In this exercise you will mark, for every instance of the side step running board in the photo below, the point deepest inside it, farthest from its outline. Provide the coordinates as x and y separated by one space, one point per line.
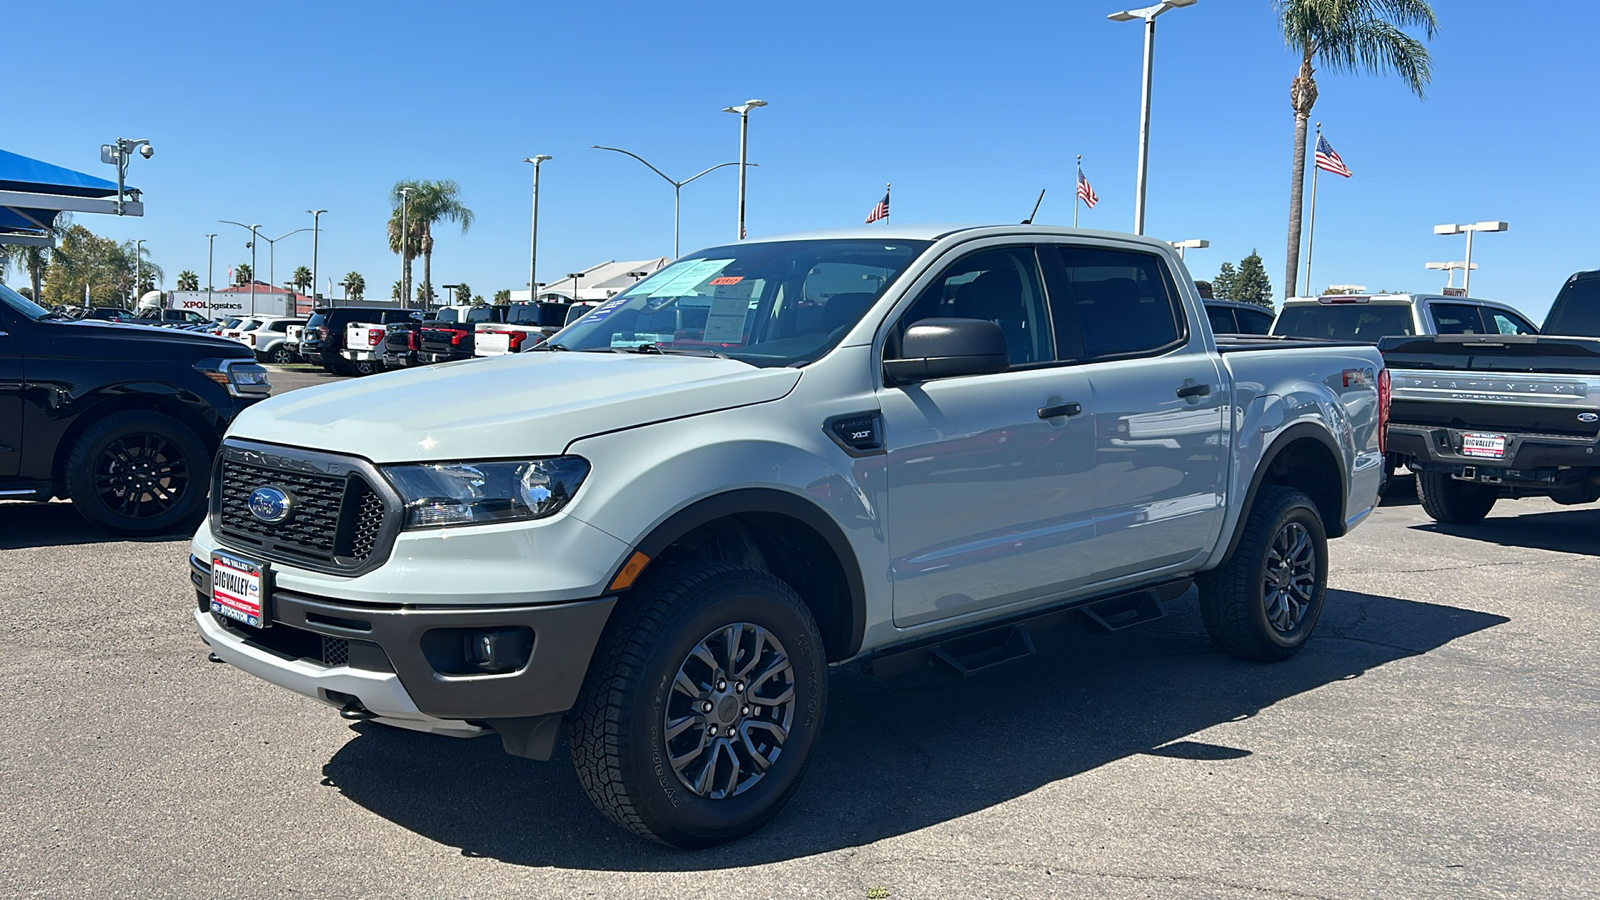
1116 613
972 654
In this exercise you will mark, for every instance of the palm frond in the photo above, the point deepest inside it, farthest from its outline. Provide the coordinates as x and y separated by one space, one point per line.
1377 46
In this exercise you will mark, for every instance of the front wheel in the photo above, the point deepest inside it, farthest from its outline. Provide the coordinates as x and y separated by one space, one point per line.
1453 502
702 704
138 472
1263 602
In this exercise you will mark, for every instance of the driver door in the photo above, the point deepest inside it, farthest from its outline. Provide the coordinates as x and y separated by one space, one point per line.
11 387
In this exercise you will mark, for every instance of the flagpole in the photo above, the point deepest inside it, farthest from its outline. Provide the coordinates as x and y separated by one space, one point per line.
1077 190
1311 230
886 189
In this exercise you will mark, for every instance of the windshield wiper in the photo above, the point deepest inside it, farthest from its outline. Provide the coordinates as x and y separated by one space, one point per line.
550 345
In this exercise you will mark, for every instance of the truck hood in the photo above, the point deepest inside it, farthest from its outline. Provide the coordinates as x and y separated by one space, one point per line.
529 404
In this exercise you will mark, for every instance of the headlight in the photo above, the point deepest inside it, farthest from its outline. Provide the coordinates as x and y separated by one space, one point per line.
473 493
242 377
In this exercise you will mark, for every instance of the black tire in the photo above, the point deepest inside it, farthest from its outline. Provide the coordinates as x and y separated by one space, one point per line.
620 733
363 367
139 473
343 369
282 355
1454 502
1241 615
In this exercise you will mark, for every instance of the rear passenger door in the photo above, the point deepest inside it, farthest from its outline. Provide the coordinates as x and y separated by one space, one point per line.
1160 407
11 387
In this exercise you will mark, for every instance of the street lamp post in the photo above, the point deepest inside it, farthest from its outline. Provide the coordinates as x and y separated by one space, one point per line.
211 252
1449 269
1191 244
272 255
405 248
574 276
533 239
452 289
1468 229
253 232
1148 14
677 186
316 232
744 133
138 252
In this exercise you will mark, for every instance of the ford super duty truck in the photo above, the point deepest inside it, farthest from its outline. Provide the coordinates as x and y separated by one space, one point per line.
1491 416
900 446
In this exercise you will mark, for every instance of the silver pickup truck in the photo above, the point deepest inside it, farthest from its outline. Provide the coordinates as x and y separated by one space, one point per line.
903 446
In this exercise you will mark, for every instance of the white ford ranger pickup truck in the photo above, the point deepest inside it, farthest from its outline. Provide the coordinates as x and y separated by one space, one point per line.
899 446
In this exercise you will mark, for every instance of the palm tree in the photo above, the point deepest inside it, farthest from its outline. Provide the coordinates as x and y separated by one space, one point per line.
242 273
1346 36
431 201
398 292
301 278
35 260
188 281
354 285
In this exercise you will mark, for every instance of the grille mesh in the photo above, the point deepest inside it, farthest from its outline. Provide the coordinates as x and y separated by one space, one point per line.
368 522
336 522
335 651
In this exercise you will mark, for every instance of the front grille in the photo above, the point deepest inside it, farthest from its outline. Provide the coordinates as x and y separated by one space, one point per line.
339 520
335 651
289 642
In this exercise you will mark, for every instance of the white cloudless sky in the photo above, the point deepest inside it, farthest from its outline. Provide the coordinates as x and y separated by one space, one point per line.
259 112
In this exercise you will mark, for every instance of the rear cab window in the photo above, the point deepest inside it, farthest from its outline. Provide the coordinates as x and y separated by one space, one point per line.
1114 303
1346 321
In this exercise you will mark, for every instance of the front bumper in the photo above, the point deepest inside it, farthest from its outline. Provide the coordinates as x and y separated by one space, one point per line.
385 660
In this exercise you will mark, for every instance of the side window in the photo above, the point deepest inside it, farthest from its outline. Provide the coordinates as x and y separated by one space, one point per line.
1252 322
1221 320
1455 318
1002 286
1506 323
1119 301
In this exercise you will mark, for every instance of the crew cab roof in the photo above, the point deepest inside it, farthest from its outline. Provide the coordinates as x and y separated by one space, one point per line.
936 231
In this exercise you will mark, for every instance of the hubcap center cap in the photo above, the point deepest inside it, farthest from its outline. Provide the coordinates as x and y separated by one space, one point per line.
727 709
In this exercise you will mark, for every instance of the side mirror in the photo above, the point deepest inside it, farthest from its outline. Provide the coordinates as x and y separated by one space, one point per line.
945 348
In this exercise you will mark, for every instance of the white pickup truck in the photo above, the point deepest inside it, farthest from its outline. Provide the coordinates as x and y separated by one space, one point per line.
363 344
903 445
521 327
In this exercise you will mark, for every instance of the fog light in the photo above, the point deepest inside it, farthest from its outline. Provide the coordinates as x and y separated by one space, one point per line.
498 649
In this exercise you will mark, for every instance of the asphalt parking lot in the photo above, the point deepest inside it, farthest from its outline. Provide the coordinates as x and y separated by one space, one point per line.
1437 738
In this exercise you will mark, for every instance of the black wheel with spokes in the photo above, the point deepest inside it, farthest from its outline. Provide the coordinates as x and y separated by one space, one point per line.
702 704
138 472
1263 602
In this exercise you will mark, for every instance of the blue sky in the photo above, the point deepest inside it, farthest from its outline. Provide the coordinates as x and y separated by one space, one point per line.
260 112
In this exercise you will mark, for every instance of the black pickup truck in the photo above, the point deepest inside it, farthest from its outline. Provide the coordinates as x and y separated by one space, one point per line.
1485 417
121 419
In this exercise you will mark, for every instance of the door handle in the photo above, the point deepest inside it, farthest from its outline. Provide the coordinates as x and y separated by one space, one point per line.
1194 390
1056 412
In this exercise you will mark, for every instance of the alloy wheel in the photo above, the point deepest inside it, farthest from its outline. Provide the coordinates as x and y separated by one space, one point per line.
141 476
1291 577
730 709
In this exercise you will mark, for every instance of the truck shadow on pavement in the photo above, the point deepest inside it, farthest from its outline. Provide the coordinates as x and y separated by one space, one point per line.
902 755
28 525
1563 531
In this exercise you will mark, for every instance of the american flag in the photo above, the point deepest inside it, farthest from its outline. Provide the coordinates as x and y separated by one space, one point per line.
1329 161
881 211
1086 193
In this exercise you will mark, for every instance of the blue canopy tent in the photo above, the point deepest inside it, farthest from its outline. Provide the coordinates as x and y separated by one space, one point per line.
33 192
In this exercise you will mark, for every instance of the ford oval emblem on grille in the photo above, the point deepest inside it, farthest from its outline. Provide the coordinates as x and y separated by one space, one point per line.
1589 417
271 505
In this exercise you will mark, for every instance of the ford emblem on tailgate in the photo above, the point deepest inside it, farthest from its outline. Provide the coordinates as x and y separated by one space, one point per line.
270 504
1589 417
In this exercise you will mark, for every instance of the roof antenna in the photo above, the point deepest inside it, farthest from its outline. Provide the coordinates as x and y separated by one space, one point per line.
1029 219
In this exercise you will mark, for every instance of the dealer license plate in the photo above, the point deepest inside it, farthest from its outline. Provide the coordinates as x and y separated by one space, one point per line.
1483 444
238 590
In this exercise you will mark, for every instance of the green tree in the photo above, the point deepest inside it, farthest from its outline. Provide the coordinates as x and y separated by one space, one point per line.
242 274
188 281
431 202
148 272
83 259
425 299
1222 286
354 285
463 294
1252 285
502 297
34 260
1346 36
301 279
398 292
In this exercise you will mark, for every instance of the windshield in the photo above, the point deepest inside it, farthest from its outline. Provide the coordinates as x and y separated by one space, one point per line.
782 303
22 305
1346 321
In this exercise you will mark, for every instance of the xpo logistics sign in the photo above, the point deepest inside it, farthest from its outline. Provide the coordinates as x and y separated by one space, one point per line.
232 302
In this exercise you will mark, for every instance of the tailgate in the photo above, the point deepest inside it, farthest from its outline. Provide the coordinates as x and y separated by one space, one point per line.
444 340
1524 384
492 343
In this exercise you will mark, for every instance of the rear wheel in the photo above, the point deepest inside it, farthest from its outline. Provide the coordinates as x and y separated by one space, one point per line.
283 356
365 367
1264 601
138 472
701 706
1454 502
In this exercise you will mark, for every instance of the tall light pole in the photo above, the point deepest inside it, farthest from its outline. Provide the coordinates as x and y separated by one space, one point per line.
211 252
452 289
316 232
1193 243
744 133
677 186
1468 229
574 276
253 230
1449 270
405 248
533 233
1148 14
272 255
138 253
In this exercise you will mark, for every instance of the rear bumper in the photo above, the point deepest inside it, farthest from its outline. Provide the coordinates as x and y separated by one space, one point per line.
358 355
1541 462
